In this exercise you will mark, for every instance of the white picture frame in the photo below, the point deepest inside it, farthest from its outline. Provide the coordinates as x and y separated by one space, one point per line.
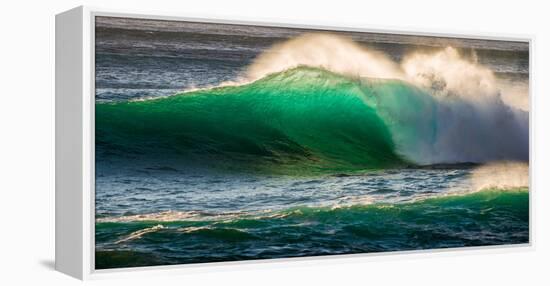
74 167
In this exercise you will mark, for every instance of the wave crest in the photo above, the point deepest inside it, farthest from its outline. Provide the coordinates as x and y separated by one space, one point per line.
330 52
443 72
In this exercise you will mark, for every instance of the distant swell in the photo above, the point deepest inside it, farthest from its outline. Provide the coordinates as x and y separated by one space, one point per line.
308 119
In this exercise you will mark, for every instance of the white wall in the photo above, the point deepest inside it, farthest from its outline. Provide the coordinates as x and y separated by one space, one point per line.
27 128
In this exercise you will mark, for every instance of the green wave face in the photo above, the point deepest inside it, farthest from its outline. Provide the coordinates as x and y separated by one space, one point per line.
299 121
490 217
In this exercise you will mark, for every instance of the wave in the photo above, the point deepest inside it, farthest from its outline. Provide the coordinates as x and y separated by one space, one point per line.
488 217
308 119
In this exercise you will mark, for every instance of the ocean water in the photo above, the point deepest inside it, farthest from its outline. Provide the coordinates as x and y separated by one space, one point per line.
199 161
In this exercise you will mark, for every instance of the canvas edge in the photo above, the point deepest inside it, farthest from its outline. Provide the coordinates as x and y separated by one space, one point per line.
69 215
88 192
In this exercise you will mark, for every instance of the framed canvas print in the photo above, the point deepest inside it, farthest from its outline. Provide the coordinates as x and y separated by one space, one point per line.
187 141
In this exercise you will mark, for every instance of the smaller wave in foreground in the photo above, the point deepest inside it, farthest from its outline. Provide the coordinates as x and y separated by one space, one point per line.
488 217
